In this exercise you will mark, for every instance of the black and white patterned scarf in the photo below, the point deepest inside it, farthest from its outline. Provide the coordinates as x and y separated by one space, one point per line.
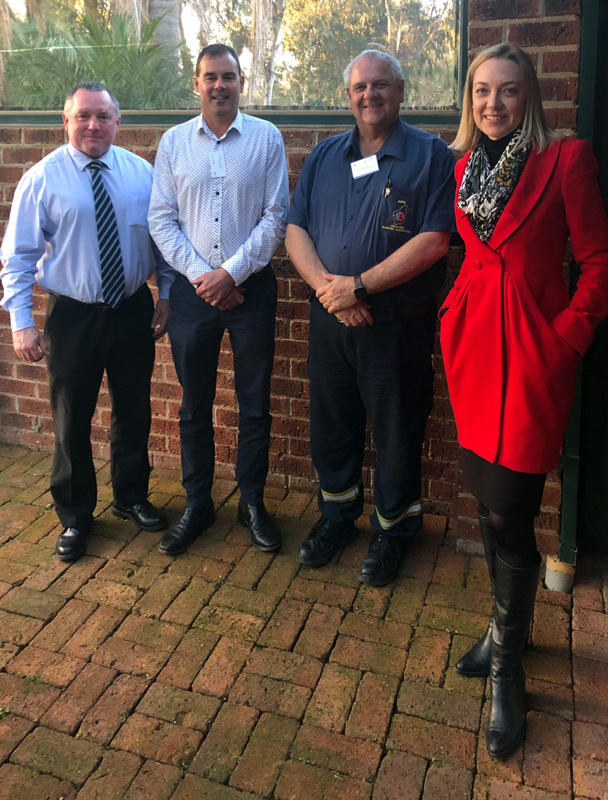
484 192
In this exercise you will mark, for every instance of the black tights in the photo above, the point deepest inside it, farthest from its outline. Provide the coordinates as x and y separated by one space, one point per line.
515 539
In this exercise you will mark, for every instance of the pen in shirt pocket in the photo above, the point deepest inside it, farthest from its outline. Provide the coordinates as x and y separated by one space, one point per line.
387 187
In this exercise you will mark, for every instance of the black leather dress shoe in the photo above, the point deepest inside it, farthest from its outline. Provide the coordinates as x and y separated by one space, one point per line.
143 514
264 534
382 561
193 522
326 537
71 544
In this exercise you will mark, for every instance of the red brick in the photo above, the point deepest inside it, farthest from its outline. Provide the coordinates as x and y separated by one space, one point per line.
281 665
230 623
439 705
534 34
68 711
371 712
590 696
154 780
427 656
506 9
194 788
223 746
547 753
372 600
559 61
158 740
312 591
188 658
546 667
481 36
31 603
113 707
267 694
126 656
431 740
443 618
333 697
16 629
258 767
590 778
368 656
110 593
446 781
43 135
245 601
19 783
111 778
12 731
555 7
550 698
94 632
222 667
407 600
43 665
26 698
278 576
372 629
400 777
77 575
590 741
337 752
302 781
62 756
163 636
188 604
285 625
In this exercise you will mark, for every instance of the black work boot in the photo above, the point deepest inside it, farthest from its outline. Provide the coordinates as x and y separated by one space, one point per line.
476 662
515 591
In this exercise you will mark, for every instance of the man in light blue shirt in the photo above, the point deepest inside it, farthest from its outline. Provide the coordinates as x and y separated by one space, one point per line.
78 224
217 213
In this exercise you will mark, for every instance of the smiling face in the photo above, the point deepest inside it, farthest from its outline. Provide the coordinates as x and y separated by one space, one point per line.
498 97
91 122
220 85
374 94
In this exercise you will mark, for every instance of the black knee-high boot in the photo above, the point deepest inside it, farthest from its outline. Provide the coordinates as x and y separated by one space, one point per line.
514 592
476 662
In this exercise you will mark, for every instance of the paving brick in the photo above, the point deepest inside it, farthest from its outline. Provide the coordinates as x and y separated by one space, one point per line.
337 752
320 631
163 636
125 656
590 696
279 575
333 697
194 788
25 553
550 698
446 781
78 574
154 781
139 547
590 778
222 667
372 709
188 658
64 625
94 632
7 652
285 625
20 783
223 746
590 741
497 789
372 600
210 569
310 591
455 597
372 629
401 777
547 753
45 666
68 711
141 576
12 731
258 768
587 594
161 594
438 705
14 571
407 601
339 574
589 645
267 694
454 620
254 603
227 622
250 569
547 667
368 656
158 740
303 781
16 629
112 777
24 697
188 604
428 655
179 707
432 740
279 664
110 593
451 568
551 628
112 709
474 687
62 756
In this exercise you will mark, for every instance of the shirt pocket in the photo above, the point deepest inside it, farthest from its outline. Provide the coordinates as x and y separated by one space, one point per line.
398 217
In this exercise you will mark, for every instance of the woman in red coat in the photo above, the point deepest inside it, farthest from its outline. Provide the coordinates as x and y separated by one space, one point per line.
512 338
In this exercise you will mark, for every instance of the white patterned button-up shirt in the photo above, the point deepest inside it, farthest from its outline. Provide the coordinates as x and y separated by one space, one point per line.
236 220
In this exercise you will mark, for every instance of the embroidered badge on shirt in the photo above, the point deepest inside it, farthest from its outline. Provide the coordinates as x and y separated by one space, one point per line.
397 221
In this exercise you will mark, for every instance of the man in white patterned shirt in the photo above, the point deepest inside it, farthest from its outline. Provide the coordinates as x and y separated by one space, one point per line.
218 213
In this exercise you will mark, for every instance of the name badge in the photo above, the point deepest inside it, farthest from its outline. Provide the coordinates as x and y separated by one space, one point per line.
217 163
365 166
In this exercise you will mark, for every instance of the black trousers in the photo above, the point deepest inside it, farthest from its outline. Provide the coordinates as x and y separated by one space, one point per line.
382 371
196 330
84 340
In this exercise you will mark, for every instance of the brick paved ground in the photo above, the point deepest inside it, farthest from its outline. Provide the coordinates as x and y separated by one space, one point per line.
227 674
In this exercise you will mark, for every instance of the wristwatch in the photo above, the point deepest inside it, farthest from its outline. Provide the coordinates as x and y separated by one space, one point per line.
360 290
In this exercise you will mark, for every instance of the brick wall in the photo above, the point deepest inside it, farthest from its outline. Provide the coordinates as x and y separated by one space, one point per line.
550 31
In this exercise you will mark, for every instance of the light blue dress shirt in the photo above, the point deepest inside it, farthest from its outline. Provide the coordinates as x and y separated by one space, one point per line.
51 235
220 202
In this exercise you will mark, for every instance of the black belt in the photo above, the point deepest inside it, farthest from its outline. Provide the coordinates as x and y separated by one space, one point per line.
404 310
63 298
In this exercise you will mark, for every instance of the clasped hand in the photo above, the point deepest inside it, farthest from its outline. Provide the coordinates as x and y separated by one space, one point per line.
217 288
338 297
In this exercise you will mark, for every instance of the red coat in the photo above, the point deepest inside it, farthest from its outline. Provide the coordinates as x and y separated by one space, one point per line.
511 337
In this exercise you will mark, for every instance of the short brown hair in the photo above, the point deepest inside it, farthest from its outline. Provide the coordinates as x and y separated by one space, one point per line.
536 130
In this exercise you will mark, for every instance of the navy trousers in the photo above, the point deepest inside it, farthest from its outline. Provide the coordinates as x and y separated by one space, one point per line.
383 372
84 340
196 330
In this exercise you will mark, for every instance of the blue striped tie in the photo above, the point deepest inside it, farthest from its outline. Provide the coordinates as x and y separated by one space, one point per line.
110 258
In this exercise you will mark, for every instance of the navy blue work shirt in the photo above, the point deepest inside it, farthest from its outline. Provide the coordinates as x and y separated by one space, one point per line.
356 224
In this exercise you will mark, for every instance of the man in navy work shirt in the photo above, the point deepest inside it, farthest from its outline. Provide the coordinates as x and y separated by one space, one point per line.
370 222
78 227
218 212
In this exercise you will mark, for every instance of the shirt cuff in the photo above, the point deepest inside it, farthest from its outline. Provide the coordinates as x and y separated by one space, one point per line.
22 318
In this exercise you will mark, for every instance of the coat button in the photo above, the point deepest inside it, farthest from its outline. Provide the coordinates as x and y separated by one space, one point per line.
478 265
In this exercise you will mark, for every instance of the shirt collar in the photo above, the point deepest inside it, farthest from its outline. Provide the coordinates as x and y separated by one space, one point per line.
236 125
82 160
394 146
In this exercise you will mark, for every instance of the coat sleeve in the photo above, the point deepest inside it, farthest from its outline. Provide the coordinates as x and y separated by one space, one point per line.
588 228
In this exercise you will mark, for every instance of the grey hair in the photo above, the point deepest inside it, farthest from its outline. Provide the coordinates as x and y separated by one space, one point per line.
90 86
379 55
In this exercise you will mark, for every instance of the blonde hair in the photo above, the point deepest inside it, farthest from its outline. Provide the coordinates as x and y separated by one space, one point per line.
536 130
